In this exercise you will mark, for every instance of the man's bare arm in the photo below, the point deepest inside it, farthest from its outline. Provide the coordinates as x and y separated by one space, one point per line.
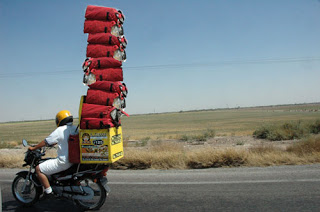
38 146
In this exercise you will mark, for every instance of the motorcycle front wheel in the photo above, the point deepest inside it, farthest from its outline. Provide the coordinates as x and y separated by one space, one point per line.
24 191
99 195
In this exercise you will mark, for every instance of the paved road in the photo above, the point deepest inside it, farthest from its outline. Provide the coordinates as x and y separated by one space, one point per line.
284 188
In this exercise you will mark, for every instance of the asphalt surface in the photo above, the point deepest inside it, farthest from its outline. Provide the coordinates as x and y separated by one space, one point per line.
283 188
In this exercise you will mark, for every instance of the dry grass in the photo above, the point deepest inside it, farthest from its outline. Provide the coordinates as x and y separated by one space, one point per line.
309 146
173 155
163 155
8 144
13 158
177 155
10 160
212 158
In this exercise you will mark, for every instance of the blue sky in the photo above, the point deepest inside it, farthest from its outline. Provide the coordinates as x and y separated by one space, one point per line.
181 55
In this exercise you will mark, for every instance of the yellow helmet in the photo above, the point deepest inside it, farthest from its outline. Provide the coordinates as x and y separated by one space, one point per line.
63 117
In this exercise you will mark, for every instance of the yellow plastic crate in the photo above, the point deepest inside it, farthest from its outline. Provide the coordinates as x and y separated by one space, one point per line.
100 145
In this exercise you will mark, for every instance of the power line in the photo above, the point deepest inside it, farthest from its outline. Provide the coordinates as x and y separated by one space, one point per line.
233 62
170 66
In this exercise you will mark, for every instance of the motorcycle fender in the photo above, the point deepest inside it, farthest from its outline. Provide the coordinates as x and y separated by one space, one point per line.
104 182
22 174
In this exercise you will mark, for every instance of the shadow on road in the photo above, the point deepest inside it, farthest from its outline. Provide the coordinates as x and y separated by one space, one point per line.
47 205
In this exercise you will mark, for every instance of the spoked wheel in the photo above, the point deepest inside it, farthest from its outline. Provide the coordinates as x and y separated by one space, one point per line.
98 198
24 191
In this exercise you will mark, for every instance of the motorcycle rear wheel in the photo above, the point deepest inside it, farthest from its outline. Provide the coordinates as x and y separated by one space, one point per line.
29 196
99 195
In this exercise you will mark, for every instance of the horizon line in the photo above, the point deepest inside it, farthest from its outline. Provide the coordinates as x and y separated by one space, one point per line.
182 111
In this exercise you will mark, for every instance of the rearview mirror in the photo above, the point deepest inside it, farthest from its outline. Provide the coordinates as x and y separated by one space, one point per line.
24 142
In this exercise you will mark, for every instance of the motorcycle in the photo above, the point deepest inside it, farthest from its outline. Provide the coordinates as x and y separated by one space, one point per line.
85 184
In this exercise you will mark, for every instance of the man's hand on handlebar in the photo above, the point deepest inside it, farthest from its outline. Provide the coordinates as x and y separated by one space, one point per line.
38 146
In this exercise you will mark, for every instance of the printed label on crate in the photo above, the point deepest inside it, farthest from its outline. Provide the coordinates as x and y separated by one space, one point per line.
97 142
99 136
94 152
116 139
93 138
86 138
118 154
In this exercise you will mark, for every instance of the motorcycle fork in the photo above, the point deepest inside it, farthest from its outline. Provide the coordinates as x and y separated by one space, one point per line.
25 189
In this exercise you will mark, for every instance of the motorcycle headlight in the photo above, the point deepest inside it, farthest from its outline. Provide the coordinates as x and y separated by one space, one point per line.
28 158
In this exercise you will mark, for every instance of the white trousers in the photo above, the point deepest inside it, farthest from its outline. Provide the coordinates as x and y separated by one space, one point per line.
53 166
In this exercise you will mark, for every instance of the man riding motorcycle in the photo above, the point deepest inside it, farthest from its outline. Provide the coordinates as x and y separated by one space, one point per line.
60 136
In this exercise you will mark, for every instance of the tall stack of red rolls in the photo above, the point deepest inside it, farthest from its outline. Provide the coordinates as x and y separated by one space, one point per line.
105 100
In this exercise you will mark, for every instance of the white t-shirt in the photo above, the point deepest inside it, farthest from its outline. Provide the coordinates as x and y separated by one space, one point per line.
60 137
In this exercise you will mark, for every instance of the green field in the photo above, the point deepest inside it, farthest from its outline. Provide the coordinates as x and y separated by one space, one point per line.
226 122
